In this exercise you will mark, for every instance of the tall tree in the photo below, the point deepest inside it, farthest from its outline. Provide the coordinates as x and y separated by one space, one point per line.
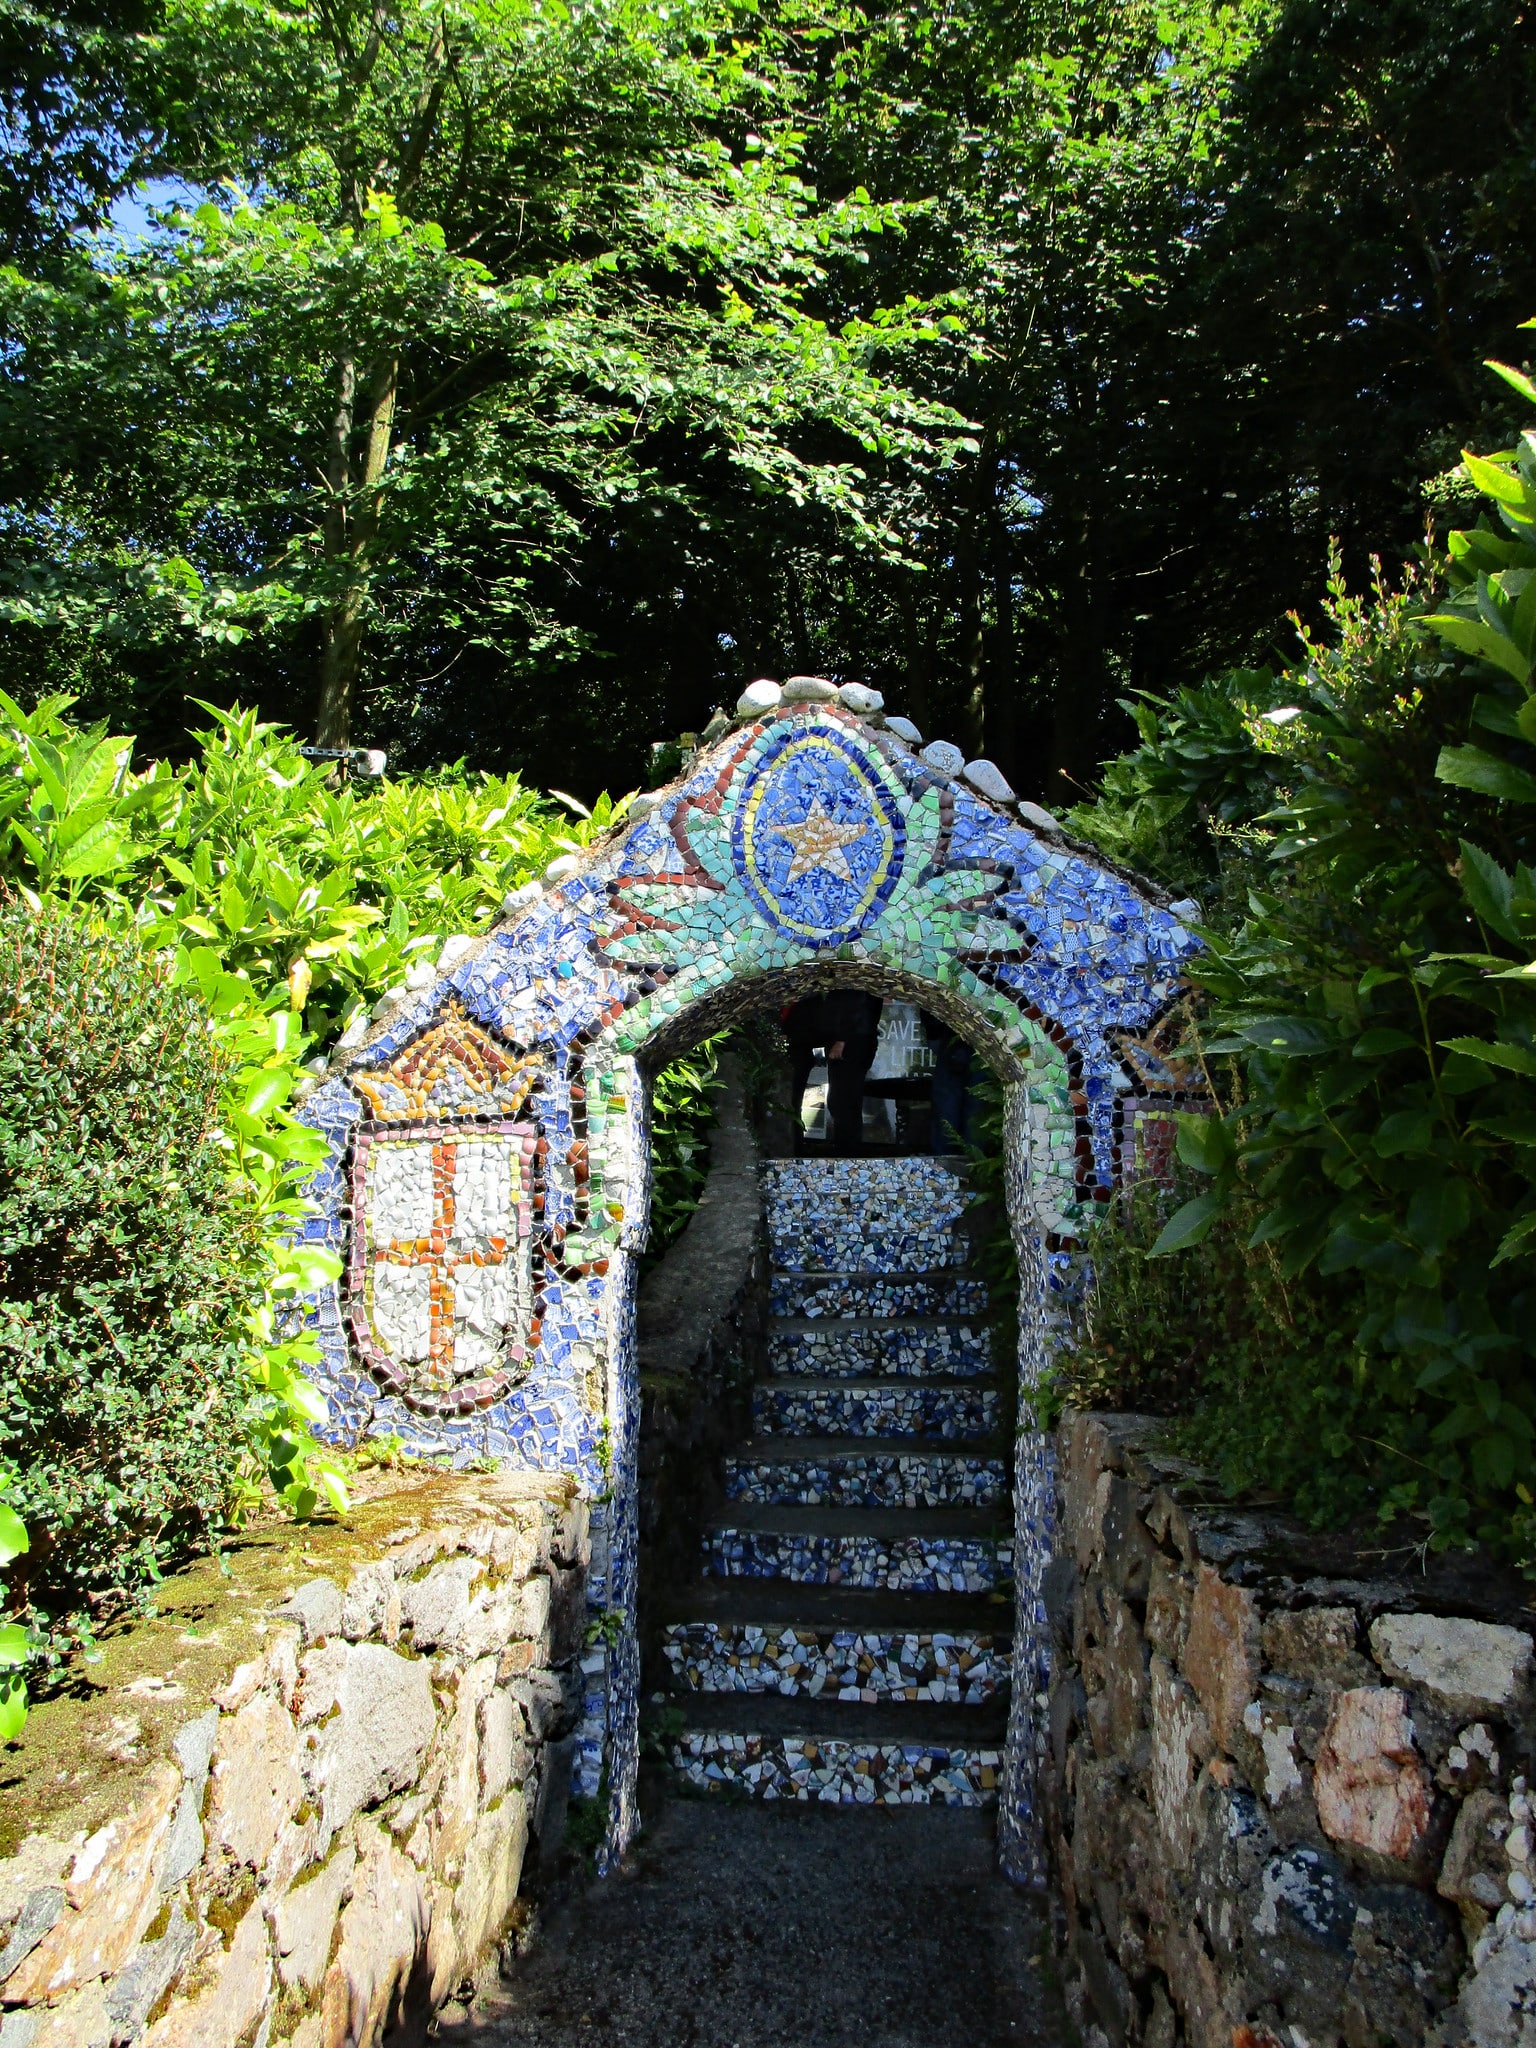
492 254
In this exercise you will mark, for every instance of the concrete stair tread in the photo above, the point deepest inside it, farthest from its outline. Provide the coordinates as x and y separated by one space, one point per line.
782 1603
788 1519
829 1718
785 1450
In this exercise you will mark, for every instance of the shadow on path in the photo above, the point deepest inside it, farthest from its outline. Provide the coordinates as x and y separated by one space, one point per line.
780 1926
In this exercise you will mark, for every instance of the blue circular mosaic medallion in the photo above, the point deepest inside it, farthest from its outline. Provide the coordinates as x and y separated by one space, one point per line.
817 837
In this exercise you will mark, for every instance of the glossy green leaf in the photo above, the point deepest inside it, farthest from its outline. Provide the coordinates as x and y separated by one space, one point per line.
1488 888
1517 1059
1188 1225
1475 768
1405 1131
13 1708
1476 636
1205 1143
1381 1041
13 1535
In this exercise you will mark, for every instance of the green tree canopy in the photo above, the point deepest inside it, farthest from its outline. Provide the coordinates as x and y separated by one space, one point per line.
545 373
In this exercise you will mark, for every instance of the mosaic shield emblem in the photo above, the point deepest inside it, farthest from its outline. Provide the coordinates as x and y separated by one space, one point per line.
441 1281
818 838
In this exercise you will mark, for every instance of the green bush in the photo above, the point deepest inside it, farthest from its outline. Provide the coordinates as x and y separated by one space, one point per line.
1259 1368
684 1096
1366 822
128 1266
284 905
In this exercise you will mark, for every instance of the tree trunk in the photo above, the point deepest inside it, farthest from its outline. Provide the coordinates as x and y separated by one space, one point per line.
1003 692
798 627
1079 699
918 705
354 531
973 710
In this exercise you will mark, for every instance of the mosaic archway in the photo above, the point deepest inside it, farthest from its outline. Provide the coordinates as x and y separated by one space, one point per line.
488 1179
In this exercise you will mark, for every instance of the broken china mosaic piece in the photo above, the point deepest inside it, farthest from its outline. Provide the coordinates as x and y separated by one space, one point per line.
863 866
870 1666
892 1564
845 1216
876 1294
842 1246
830 1349
441 1274
914 1407
883 1479
819 835
836 1772
928 1191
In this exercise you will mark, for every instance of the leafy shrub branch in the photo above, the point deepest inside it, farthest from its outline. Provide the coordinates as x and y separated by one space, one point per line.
270 909
1362 829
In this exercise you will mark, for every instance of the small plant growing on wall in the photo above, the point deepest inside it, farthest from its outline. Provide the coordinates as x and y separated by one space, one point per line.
15 1644
127 1268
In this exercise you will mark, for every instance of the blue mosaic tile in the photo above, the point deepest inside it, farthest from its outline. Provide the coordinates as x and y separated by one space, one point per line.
836 1772
892 1564
887 1479
876 1294
880 1408
827 1350
866 1667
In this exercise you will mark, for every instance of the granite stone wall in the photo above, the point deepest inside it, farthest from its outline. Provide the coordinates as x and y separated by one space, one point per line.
1285 1780
333 1849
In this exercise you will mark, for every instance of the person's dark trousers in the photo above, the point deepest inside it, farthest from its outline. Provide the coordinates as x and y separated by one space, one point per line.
951 1098
801 1060
845 1093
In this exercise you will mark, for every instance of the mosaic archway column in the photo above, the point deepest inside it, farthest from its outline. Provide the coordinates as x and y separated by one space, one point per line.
488 1179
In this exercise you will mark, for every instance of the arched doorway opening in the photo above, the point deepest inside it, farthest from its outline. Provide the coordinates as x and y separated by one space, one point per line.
487 1184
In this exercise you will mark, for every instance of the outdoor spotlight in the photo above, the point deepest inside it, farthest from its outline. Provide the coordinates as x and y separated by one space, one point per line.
353 760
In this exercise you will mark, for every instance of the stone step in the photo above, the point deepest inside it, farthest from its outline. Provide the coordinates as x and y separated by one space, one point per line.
947 1410
829 1609
836 1772
810 1296
903 1667
878 1345
881 1190
922 1550
846 1755
854 1246
857 1472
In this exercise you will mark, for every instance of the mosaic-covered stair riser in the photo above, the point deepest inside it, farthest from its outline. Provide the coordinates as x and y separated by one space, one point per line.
961 1669
804 851
838 1773
876 1294
896 1564
951 1411
901 1479
913 1191
915 1350
846 1248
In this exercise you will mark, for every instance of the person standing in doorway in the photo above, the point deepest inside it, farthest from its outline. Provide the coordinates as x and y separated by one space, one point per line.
951 1087
851 1027
803 1027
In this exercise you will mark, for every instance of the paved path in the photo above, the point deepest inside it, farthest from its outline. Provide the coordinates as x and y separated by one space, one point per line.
782 1926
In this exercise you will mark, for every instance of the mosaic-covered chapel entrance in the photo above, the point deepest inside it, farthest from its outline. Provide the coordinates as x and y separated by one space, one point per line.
487 1186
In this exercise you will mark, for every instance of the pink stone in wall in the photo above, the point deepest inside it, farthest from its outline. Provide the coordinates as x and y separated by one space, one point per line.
112 1891
1371 1785
1221 1654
